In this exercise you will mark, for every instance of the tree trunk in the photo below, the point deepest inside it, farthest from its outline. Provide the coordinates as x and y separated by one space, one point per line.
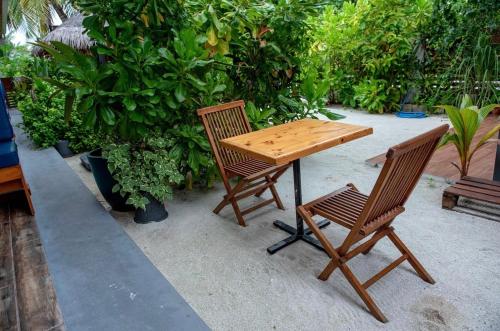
59 10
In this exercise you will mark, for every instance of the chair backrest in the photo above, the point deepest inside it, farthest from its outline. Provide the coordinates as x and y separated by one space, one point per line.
221 122
403 168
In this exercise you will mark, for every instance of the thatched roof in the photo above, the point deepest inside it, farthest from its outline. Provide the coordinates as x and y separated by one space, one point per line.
71 32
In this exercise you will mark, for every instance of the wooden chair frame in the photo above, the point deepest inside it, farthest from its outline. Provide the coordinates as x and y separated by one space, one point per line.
373 215
255 177
12 180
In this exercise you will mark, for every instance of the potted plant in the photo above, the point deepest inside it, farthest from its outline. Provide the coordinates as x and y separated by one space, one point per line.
466 120
145 173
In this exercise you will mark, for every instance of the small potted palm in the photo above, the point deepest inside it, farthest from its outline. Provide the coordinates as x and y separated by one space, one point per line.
466 121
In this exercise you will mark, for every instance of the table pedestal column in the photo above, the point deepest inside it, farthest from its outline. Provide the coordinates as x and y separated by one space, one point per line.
298 233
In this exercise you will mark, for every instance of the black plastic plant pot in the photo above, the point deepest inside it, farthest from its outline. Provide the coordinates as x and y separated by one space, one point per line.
62 146
155 211
105 181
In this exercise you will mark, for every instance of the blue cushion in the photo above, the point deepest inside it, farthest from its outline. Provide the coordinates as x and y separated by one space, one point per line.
8 154
6 131
3 94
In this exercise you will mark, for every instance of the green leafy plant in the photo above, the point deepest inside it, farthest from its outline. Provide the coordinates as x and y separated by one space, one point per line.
466 121
376 96
259 45
458 54
367 50
148 71
311 101
192 152
44 122
259 118
14 59
143 168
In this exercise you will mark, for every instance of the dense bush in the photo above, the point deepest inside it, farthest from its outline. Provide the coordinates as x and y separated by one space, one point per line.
259 46
14 59
44 121
460 55
368 49
375 51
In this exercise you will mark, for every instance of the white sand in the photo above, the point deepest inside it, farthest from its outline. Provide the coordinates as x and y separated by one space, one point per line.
225 273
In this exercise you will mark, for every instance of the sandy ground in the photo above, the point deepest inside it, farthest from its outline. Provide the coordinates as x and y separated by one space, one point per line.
225 273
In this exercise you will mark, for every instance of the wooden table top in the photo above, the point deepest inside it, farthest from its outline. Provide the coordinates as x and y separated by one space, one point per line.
287 142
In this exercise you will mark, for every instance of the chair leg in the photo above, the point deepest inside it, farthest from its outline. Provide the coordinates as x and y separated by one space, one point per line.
411 258
237 211
363 293
276 197
274 178
221 205
231 192
259 193
369 248
329 269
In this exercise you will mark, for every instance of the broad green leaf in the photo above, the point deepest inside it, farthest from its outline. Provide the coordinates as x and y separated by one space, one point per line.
483 140
107 115
68 106
129 103
180 93
90 118
212 36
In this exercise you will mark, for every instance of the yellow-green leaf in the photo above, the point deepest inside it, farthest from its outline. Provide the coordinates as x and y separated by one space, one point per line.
212 36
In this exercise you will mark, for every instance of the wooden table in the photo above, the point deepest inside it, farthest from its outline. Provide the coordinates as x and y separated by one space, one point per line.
290 142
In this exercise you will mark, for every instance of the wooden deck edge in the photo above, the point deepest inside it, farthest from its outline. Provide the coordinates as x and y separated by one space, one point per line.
28 300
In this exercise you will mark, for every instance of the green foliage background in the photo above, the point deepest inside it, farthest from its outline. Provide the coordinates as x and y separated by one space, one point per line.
374 51
156 62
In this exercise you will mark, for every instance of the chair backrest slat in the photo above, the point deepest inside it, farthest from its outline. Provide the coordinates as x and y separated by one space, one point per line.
221 122
403 168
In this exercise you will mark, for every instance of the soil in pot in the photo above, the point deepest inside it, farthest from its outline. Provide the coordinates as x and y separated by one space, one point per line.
155 211
105 181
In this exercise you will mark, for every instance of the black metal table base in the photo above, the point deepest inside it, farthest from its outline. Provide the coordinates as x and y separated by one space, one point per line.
306 236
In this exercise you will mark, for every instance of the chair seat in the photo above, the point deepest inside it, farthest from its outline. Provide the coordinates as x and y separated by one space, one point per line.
249 167
8 154
342 206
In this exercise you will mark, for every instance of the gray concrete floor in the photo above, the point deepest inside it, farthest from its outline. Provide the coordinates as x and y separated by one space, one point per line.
224 272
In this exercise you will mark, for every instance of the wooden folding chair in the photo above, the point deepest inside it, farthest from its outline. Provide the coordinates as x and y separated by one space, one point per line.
373 214
228 120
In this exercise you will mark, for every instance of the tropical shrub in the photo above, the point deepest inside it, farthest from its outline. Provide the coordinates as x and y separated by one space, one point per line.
367 50
44 122
14 59
259 45
459 54
466 120
148 72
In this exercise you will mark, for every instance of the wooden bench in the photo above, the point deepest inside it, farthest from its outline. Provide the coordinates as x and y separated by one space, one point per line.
472 188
